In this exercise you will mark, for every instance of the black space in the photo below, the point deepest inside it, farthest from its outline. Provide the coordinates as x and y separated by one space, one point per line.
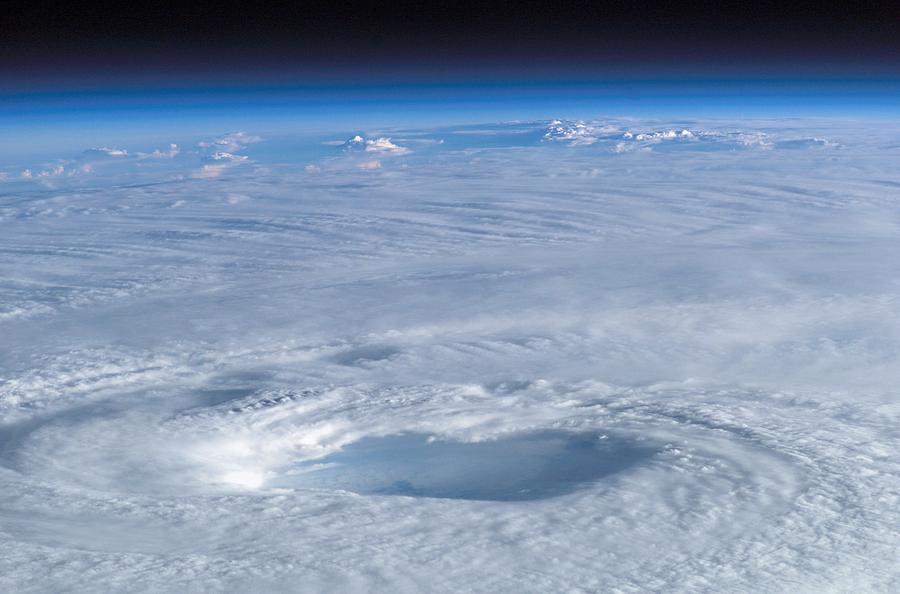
158 36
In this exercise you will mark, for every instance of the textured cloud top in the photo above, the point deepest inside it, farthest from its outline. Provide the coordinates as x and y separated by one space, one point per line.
533 356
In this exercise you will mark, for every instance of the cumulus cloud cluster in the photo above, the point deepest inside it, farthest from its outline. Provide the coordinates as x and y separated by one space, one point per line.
384 145
214 156
221 152
210 159
106 152
683 134
232 142
623 137
172 152
48 172
379 146
578 133
225 156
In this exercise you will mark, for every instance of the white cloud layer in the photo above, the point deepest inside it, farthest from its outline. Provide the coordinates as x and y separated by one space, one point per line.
513 365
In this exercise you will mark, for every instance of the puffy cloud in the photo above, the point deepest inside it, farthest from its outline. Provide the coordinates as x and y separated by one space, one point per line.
751 139
105 151
384 145
169 154
222 160
230 142
225 156
380 146
222 151
577 133
54 171
734 139
659 136
620 139
357 143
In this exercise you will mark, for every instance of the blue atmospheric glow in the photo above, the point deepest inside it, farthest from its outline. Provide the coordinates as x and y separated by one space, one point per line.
31 119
